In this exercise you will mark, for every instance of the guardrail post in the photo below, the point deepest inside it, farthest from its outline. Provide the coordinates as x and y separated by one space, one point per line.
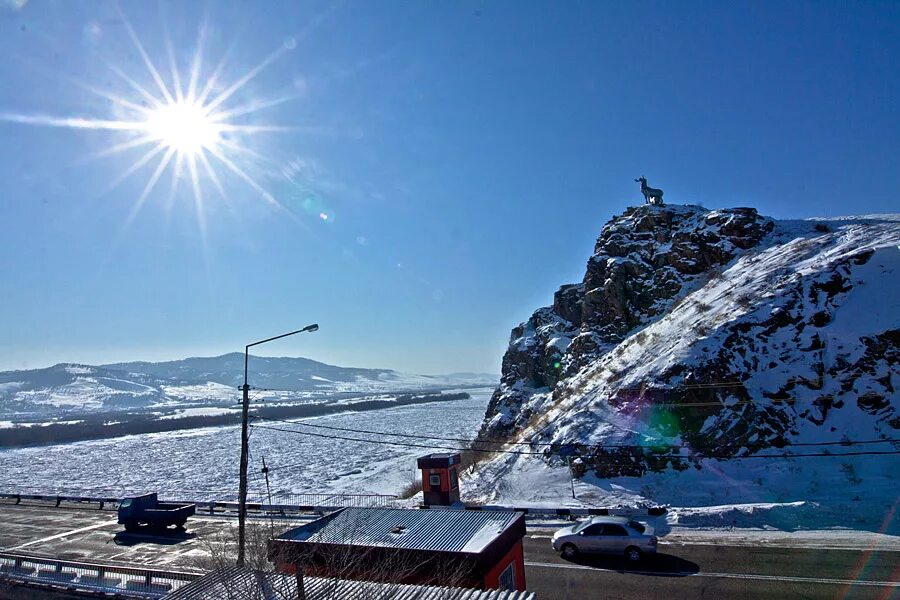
301 590
148 579
18 498
58 501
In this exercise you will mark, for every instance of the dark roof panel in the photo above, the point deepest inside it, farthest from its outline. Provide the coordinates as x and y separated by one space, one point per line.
439 530
257 585
438 460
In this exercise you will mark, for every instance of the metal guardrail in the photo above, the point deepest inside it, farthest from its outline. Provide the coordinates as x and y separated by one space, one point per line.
129 582
335 500
223 498
544 511
207 500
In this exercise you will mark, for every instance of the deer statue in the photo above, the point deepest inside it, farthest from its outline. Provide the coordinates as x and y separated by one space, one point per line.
651 195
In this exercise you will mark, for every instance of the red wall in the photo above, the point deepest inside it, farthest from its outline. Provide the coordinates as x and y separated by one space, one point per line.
516 556
445 478
426 487
491 580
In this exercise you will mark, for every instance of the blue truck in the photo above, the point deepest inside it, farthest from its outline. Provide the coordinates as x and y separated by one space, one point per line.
149 511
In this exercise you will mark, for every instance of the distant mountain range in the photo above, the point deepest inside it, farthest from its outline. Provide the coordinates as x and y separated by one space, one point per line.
69 387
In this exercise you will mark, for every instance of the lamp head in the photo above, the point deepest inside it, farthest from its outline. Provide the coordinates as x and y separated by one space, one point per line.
313 327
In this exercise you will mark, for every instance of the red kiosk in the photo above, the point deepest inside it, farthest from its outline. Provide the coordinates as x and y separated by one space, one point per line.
440 478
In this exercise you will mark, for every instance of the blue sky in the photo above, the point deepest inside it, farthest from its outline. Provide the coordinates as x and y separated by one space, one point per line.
464 155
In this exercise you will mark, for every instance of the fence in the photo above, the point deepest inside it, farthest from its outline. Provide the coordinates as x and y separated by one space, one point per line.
130 582
211 498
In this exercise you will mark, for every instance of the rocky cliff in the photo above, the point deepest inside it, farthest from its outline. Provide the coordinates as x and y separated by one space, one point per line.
710 334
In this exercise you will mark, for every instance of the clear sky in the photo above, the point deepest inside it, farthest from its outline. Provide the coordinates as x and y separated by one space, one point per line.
416 177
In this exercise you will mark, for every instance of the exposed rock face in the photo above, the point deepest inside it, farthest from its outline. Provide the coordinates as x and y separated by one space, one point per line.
712 334
642 261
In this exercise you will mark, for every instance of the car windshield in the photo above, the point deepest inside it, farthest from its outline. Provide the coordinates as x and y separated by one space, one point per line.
582 525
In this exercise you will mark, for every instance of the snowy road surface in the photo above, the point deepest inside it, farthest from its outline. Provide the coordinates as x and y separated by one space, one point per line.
685 570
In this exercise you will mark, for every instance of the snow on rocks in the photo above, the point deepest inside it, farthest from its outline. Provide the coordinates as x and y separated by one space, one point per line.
706 338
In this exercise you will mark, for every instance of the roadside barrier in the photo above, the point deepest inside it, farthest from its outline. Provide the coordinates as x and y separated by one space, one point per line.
212 500
320 503
128 582
652 511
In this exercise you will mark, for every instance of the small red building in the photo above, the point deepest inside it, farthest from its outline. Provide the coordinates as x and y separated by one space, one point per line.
440 478
445 547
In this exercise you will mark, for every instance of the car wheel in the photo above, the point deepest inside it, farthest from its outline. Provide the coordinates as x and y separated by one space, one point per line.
633 554
569 551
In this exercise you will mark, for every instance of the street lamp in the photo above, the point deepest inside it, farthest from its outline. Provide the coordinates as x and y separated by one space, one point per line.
245 447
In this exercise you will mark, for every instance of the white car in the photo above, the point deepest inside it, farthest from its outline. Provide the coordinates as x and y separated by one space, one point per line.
606 535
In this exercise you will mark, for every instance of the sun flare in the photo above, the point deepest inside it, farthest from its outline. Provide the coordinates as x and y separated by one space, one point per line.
182 123
186 127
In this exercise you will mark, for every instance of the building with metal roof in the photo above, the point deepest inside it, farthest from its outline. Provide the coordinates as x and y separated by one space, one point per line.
246 584
459 548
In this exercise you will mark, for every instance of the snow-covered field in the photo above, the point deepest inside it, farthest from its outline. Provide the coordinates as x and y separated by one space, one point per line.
803 493
207 459
201 411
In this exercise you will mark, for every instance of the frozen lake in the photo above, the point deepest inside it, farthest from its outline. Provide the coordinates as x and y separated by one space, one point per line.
207 459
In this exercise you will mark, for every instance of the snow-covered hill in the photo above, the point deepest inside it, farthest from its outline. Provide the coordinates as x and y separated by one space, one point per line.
697 341
209 380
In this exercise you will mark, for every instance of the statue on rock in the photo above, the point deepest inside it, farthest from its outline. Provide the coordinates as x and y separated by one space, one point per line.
651 195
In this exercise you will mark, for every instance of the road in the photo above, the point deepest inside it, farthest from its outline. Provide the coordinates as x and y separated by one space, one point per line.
682 570
704 571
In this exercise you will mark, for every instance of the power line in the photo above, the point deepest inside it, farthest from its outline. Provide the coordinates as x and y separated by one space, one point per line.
617 400
687 386
784 455
547 444
420 437
389 443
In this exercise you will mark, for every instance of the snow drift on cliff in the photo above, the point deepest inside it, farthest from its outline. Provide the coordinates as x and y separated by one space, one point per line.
698 342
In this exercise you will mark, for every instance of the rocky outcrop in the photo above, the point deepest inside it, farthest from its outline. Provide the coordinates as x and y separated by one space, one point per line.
707 333
643 261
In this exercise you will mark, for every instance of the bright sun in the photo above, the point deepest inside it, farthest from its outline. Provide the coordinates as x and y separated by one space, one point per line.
184 127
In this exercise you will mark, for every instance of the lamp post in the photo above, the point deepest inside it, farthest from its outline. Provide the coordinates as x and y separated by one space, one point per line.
245 447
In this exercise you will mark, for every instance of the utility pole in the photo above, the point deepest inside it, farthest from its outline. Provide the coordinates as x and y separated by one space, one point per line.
245 452
571 475
265 471
245 446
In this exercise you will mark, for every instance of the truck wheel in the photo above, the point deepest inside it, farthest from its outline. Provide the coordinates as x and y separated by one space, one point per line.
131 526
180 525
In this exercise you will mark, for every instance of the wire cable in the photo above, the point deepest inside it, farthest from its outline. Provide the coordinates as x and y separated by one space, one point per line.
545 444
785 455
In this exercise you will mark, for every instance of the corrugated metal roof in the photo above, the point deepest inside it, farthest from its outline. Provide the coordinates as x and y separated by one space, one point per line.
245 584
442 530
